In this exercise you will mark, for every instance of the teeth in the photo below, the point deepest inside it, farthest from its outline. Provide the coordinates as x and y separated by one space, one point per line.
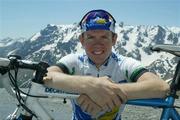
98 52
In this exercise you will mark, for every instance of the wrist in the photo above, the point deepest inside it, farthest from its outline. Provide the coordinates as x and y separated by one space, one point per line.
88 85
122 88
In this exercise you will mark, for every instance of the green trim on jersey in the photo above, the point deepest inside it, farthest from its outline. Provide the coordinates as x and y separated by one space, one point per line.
135 73
65 68
73 71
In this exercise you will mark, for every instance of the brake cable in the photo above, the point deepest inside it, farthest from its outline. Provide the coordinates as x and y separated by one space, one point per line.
13 80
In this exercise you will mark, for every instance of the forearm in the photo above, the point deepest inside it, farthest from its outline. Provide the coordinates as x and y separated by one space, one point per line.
100 90
77 84
153 88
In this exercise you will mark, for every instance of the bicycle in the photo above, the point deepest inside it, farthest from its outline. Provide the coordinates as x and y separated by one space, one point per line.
29 105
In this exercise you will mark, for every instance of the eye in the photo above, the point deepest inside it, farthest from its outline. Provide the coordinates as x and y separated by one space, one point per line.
90 37
104 37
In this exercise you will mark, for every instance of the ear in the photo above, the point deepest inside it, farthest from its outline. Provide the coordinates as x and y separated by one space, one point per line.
81 38
114 38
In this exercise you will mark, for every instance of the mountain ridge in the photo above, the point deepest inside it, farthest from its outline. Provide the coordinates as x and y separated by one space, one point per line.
55 41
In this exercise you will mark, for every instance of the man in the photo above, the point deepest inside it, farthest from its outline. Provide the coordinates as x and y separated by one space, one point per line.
103 79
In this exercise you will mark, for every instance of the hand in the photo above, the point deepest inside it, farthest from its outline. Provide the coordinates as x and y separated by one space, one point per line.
47 78
88 105
105 93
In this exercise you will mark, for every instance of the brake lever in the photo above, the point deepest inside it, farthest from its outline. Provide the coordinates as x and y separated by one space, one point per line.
41 72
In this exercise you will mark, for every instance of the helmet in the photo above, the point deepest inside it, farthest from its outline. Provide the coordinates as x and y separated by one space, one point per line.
97 20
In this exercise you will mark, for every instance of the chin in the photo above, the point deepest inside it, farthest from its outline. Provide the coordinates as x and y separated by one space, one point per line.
99 61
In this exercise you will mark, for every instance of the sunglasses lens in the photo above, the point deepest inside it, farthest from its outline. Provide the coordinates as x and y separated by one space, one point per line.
94 15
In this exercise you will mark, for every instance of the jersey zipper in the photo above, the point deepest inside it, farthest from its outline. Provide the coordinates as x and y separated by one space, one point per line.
98 70
98 75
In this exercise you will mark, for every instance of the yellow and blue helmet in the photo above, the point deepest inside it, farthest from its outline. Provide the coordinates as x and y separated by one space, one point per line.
97 20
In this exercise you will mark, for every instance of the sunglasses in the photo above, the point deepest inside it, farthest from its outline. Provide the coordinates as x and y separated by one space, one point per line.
99 19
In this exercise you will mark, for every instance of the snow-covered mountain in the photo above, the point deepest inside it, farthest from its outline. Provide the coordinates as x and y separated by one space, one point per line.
8 45
55 41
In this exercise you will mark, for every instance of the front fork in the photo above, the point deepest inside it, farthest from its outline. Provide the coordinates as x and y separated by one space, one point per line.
14 116
24 117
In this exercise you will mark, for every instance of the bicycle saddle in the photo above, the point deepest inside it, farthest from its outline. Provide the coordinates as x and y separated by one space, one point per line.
173 49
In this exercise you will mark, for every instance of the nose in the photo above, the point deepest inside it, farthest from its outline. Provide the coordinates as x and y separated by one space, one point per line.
98 44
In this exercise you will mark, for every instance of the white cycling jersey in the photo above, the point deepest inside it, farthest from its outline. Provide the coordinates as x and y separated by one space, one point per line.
119 68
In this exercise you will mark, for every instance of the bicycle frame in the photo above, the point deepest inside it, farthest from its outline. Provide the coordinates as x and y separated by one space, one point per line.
41 90
169 112
166 104
36 89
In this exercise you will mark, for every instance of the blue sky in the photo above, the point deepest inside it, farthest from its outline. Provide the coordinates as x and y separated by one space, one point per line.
23 18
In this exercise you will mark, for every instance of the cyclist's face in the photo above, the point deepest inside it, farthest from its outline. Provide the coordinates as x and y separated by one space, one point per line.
98 45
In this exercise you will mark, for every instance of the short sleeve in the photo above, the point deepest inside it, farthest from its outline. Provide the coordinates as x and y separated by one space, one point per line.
68 64
132 69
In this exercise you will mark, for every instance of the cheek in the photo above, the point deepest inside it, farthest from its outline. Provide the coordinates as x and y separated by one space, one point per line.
87 47
109 44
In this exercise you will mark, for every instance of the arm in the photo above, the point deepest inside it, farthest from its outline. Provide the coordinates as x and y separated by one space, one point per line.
92 86
57 79
148 85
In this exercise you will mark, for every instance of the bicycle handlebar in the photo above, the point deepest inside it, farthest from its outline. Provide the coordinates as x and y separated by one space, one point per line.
4 62
24 64
173 49
14 62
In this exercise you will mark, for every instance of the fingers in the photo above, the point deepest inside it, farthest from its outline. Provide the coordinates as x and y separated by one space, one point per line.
117 101
81 99
89 109
122 96
47 79
105 107
106 95
84 102
85 107
93 109
88 105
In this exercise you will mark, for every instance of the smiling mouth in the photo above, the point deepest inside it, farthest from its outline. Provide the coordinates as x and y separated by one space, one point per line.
98 52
